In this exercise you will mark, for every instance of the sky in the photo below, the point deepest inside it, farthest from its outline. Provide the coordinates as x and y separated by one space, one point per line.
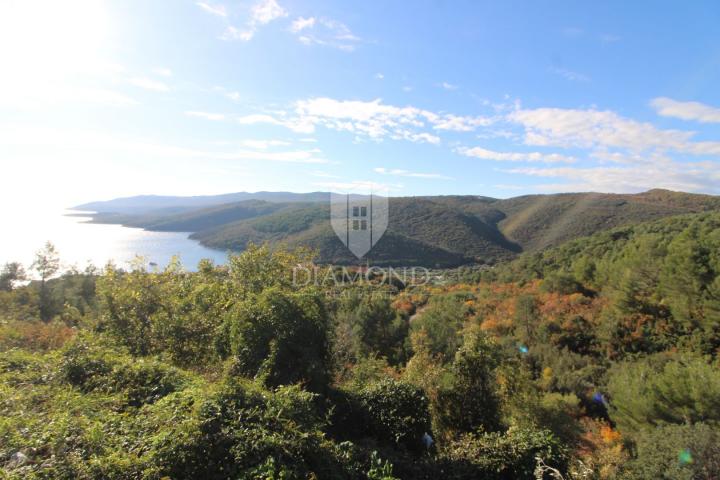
101 99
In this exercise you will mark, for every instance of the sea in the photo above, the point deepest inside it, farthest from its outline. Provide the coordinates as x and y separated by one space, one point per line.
80 243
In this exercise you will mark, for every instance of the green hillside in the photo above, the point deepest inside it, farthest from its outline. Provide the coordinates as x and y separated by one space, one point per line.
541 221
441 231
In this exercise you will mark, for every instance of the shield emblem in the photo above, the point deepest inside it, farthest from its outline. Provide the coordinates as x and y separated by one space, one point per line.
359 219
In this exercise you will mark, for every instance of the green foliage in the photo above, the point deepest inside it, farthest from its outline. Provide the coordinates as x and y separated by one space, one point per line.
366 324
92 365
11 273
502 456
396 413
661 279
677 452
562 284
379 469
526 317
658 391
281 337
191 316
442 320
472 402
46 265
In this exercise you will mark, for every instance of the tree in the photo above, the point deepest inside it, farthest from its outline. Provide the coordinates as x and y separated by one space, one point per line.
442 320
659 390
46 264
526 316
282 338
472 402
367 324
11 273
687 275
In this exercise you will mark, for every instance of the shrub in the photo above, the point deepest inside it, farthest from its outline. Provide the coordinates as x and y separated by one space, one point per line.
502 456
562 284
282 338
89 365
396 412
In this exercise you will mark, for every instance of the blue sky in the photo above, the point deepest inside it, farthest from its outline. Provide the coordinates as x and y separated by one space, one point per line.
112 98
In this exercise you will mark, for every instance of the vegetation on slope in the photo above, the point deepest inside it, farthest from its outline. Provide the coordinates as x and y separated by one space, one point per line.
442 231
595 360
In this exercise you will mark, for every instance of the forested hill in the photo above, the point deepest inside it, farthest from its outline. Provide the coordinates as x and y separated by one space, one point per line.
438 231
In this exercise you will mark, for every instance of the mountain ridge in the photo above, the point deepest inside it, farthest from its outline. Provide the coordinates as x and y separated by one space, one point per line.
435 231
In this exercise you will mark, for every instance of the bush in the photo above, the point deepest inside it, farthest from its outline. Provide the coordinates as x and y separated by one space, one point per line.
282 338
562 284
502 456
145 381
89 365
244 431
396 412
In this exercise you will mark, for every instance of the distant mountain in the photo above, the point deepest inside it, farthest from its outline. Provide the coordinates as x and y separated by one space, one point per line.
144 204
439 231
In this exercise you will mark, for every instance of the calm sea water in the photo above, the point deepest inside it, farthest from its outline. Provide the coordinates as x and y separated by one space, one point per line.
80 243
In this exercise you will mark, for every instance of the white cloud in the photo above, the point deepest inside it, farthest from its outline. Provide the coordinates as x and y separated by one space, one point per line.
206 115
296 125
149 84
232 33
485 154
262 13
325 32
379 76
594 128
406 173
302 23
162 71
448 86
422 137
461 124
377 120
218 10
266 11
570 75
692 177
700 112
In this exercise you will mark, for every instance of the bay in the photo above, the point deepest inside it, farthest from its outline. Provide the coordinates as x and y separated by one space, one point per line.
80 243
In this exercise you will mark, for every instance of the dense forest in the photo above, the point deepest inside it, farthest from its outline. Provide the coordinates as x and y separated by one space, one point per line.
593 359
